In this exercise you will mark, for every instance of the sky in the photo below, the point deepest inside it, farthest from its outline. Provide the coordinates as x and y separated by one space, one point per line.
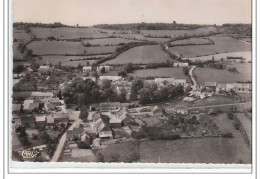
91 12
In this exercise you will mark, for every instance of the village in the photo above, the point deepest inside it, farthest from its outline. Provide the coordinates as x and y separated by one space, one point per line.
56 125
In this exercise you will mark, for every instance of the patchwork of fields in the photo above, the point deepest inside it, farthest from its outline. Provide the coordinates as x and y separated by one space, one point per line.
141 55
160 72
63 48
107 41
197 41
222 45
219 76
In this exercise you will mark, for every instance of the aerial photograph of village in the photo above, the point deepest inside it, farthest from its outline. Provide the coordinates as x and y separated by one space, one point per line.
98 89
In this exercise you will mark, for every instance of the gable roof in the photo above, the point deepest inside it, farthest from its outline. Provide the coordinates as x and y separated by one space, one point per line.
211 84
16 107
74 115
40 118
112 78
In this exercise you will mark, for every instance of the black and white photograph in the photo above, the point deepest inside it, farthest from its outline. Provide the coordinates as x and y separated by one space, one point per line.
131 81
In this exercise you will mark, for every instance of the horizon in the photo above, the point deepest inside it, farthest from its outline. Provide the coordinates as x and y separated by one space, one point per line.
89 13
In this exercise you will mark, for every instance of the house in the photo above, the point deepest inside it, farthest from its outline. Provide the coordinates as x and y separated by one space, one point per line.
182 82
54 101
48 106
49 120
110 78
181 109
103 129
156 111
28 121
109 106
240 87
30 105
75 133
115 121
221 87
107 68
85 137
29 69
211 85
16 107
40 120
41 95
90 78
74 115
181 65
87 69
123 85
61 117
44 68
164 81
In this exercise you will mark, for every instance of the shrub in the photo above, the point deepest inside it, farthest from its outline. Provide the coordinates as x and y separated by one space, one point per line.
34 136
237 124
227 134
230 116
84 145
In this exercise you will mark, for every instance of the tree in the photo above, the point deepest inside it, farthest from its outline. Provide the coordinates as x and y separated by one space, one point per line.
18 69
136 86
103 70
84 145
83 113
185 70
122 73
122 95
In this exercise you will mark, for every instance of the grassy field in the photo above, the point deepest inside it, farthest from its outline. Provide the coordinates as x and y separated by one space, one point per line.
159 40
204 150
173 33
67 33
219 76
244 69
160 72
217 57
21 35
62 48
222 45
67 60
107 41
246 123
141 54
198 41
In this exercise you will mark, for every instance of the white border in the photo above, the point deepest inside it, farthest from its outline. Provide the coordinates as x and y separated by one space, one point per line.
187 169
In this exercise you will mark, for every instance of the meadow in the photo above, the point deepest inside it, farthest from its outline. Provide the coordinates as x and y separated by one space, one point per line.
222 45
107 41
67 33
63 48
219 76
175 33
160 72
201 150
21 35
197 41
141 54
247 55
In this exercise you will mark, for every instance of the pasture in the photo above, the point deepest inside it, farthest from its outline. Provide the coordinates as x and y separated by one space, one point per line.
63 48
200 150
141 55
107 41
219 76
160 72
197 41
67 60
21 35
222 45
176 33
67 33
159 40
247 55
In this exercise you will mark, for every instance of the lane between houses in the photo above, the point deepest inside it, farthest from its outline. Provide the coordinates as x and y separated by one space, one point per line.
61 144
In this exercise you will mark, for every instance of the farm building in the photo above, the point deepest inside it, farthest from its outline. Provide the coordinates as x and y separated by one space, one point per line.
110 78
74 115
40 120
41 95
87 69
89 78
61 117
44 68
30 105
114 121
103 129
109 106
75 133
211 85
49 120
240 87
221 87
48 106
107 68
181 65
16 107
162 82
156 111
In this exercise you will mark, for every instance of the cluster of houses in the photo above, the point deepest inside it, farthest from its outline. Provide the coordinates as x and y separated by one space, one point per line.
237 87
163 82
42 109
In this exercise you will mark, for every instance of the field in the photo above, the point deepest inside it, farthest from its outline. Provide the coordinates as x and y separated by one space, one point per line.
197 41
217 57
160 72
141 54
159 40
173 33
68 60
63 47
222 45
219 76
246 123
21 35
203 150
67 33
107 41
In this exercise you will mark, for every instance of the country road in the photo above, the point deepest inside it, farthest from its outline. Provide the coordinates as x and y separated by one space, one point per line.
61 144
218 105
192 77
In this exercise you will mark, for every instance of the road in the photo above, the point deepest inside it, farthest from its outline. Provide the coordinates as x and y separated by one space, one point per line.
194 86
218 105
61 144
